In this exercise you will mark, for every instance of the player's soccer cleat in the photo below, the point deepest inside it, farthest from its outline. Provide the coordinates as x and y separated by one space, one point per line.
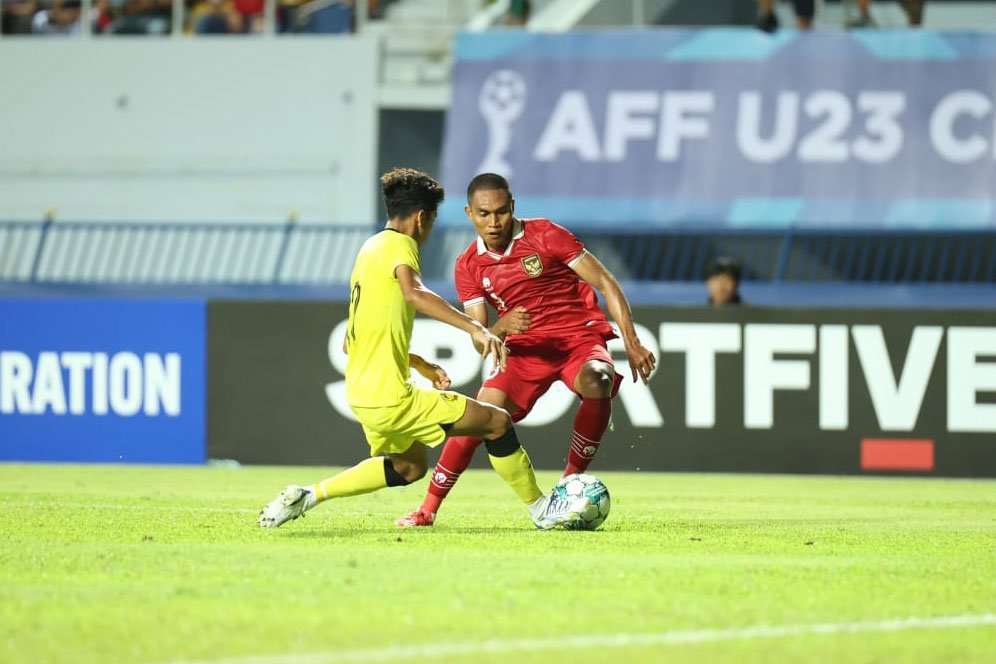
416 519
289 505
558 512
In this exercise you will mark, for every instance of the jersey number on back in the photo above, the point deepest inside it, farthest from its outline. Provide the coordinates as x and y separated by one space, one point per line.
354 303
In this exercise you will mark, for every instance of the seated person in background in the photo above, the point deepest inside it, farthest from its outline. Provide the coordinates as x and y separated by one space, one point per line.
518 13
141 17
214 17
723 281
17 16
767 19
912 8
62 18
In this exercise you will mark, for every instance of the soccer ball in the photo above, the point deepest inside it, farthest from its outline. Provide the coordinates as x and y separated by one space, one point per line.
592 488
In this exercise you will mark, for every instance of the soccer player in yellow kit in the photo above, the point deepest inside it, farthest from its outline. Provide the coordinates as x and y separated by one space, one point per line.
400 420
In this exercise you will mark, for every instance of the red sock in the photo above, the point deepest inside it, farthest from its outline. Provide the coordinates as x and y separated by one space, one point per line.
456 456
589 427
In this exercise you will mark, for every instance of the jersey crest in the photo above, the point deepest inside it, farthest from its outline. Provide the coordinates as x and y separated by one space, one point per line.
532 265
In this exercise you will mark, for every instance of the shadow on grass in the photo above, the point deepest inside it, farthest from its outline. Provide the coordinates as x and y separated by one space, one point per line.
445 531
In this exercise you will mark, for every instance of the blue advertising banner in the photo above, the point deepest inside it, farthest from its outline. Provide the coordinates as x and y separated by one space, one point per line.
119 381
730 127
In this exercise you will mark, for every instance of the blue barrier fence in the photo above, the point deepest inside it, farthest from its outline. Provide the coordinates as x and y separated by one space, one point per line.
302 255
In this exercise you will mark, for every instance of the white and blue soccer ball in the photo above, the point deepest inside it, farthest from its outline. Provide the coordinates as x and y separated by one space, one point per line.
582 484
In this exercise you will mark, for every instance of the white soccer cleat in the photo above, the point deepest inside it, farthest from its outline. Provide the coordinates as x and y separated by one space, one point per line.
558 512
289 505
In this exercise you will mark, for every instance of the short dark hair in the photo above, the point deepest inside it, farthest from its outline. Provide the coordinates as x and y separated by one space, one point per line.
487 182
724 265
407 190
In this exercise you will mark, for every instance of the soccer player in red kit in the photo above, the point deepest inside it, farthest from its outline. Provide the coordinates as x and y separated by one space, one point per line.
541 281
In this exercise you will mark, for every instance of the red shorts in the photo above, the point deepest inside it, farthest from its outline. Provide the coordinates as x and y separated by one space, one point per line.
531 370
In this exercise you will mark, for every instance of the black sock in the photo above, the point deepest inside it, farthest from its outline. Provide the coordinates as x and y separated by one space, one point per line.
504 445
393 477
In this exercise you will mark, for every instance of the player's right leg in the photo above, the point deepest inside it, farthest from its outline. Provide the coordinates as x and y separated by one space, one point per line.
511 462
453 461
367 476
396 460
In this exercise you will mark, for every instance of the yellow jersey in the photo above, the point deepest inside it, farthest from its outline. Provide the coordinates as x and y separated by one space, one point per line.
379 333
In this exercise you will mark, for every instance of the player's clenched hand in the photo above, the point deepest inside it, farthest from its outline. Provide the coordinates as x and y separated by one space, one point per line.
491 345
440 379
641 360
435 373
515 321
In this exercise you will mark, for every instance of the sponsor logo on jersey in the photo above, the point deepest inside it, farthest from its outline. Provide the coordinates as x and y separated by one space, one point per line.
448 396
532 265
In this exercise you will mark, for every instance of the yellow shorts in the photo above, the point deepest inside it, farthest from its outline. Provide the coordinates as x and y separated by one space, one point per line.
418 418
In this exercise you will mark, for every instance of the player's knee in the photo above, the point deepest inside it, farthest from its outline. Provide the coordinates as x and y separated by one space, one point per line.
400 472
597 383
499 423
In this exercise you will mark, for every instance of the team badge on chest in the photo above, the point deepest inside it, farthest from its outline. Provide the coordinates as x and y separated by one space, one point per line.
532 265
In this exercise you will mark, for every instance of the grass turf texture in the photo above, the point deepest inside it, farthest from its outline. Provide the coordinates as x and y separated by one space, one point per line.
140 564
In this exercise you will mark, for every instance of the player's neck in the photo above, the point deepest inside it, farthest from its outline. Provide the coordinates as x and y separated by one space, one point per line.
403 226
498 248
502 247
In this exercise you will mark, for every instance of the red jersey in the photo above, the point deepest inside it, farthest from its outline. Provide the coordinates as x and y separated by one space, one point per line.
534 272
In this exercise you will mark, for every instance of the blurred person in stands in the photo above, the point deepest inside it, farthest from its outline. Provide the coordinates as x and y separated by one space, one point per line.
251 11
768 21
17 16
912 8
542 283
518 13
62 18
214 17
142 17
722 279
102 15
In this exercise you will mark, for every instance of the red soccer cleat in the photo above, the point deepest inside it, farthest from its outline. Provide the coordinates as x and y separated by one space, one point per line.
416 519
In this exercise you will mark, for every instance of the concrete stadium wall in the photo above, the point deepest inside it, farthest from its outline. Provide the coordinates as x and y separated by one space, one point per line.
189 130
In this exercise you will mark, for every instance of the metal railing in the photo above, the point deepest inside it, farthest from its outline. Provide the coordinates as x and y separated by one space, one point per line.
304 254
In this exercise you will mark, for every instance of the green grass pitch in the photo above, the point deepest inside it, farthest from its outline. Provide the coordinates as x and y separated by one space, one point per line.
147 565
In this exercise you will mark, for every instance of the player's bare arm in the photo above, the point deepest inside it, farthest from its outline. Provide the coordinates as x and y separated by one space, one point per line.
515 321
440 379
641 360
429 303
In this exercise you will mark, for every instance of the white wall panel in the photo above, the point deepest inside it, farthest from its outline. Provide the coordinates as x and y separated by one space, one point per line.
189 130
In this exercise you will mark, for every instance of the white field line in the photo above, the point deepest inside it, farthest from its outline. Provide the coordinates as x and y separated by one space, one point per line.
436 650
16 504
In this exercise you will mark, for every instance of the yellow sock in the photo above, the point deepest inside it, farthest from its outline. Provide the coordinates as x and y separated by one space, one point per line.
517 471
364 477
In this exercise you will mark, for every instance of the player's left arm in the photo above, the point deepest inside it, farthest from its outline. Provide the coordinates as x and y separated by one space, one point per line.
440 379
589 268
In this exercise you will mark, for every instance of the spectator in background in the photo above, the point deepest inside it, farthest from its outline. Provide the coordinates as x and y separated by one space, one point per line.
142 17
102 15
17 16
62 18
912 8
723 281
252 14
214 17
518 13
768 21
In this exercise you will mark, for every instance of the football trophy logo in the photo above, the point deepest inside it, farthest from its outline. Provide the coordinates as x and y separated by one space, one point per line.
502 100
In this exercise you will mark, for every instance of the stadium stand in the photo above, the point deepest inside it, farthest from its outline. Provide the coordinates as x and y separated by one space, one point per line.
417 36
